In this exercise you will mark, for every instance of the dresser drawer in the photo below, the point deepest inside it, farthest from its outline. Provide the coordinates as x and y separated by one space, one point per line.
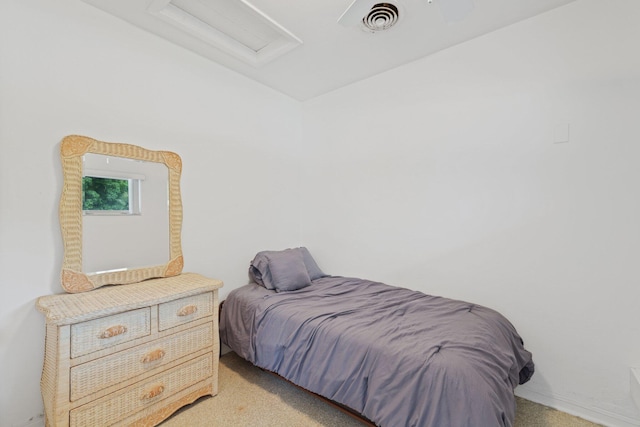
93 335
117 406
119 367
184 310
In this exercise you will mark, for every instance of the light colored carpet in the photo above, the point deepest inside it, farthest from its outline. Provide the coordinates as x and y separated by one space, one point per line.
249 396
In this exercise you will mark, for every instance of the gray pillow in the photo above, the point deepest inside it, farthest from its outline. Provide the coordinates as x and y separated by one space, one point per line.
260 270
288 272
312 268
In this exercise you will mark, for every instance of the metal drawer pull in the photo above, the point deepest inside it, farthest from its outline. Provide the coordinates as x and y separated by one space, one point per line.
156 391
113 331
153 356
187 310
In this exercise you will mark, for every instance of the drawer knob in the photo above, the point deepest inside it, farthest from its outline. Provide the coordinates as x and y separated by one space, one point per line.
155 391
113 331
153 356
187 310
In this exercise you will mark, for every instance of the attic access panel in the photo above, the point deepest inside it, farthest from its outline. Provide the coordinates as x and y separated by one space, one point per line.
235 27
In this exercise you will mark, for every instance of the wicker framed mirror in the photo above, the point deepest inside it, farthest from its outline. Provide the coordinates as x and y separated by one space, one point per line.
124 238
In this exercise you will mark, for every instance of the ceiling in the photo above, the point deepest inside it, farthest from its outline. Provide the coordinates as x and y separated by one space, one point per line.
300 48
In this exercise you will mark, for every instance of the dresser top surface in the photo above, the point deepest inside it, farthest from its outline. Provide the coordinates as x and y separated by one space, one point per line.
62 309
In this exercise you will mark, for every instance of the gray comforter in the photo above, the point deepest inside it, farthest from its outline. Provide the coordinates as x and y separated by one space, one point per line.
396 356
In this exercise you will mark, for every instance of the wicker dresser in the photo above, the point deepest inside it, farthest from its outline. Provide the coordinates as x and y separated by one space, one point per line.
130 354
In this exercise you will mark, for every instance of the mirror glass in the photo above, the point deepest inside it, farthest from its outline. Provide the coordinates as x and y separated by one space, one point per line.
129 209
120 213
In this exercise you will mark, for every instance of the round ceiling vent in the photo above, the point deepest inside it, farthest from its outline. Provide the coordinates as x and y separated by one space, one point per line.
382 16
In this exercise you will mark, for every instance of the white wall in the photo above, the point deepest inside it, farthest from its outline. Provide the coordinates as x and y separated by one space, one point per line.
66 67
442 176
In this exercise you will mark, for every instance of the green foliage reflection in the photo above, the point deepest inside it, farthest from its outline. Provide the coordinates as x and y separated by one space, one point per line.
105 194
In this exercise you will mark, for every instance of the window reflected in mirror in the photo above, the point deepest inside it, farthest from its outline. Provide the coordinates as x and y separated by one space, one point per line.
104 196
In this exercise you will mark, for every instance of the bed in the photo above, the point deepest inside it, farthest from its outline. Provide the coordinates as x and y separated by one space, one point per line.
395 356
